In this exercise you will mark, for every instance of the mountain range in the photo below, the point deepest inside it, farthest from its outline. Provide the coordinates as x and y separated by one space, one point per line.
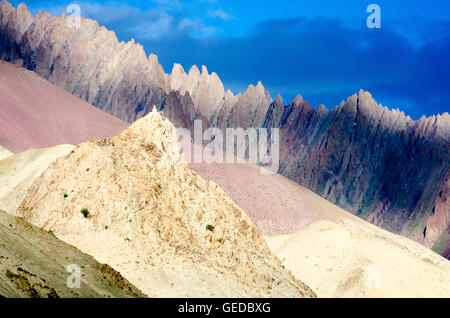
375 162
173 231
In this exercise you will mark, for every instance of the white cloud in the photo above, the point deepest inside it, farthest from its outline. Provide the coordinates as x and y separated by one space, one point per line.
220 14
166 20
195 27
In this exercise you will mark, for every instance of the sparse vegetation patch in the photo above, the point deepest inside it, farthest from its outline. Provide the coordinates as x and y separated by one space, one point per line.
85 212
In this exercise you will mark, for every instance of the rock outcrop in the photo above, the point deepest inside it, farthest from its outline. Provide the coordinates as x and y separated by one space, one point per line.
375 162
134 204
206 90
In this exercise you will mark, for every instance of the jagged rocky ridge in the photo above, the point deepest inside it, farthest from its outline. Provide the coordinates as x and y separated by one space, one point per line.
375 162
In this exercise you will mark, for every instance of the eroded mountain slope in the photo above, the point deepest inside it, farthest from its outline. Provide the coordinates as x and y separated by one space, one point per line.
33 263
133 203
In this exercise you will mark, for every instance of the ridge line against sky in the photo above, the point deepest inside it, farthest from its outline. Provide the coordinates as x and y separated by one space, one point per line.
320 49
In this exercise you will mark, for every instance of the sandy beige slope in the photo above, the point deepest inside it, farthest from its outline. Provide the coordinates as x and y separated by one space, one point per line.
153 219
18 172
4 153
356 259
336 253
33 263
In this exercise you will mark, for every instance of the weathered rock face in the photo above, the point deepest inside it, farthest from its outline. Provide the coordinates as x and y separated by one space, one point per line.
437 233
91 64
13 24
118 78
249 110
206 90
378 163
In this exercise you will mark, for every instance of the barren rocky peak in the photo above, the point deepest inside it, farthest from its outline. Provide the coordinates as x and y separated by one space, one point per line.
364 110
367 110
230 99
298 100
258 92
279 100
322 110
206 90
177 77
24 17
251 108
154 220
437 126
21 15
300 105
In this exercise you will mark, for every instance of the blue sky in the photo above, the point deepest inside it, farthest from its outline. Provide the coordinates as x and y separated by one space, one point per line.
321 49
